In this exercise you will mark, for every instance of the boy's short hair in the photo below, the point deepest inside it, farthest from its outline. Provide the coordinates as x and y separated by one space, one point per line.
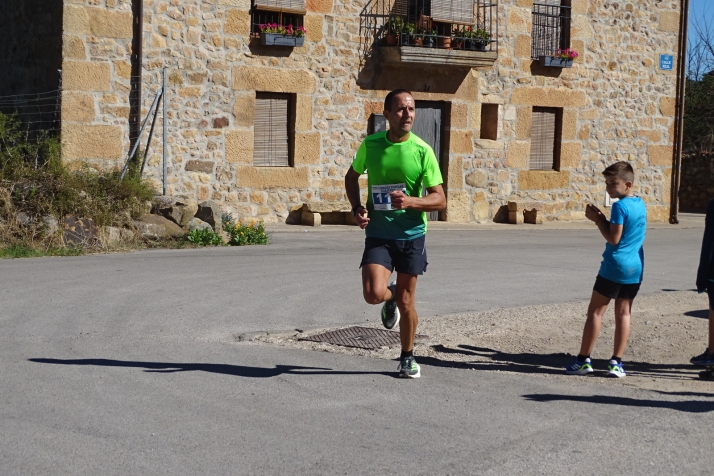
621 170
390 98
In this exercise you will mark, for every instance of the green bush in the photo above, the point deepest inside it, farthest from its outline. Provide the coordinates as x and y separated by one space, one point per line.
204 237
242 234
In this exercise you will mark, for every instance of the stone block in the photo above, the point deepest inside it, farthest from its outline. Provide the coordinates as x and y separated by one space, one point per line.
524 116
660 155
667 106
122 69
455 176
237 22
519 20
307 148
581 27
263 178
328 206
477 179
253 78
310 218
480 210
548 97
244 4
658 214
458 206
110 23
461 142
81 141
579 6
86 76
669 21
156 226
239 146
570 154
244 110
303 112
523 46
652 136
459 115
319 6
588 114
190 92
569 124
75 20
209 212
203 166
666 185
579 46
313 25
73 47
517 154
543 179
78 107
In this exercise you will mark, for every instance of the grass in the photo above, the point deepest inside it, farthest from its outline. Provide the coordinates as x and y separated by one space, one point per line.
20 251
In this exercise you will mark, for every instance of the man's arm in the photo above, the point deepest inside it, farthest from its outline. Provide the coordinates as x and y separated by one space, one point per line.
352 190
434 201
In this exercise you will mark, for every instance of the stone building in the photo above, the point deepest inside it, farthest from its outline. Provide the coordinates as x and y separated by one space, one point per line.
262 129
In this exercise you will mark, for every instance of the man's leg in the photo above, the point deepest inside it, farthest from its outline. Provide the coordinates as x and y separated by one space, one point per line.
596 309
375 279
623 308
711 329
406 288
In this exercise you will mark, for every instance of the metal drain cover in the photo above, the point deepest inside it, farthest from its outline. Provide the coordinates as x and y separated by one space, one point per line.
360 337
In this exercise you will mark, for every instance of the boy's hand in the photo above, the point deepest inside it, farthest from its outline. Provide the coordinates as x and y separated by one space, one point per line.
593 213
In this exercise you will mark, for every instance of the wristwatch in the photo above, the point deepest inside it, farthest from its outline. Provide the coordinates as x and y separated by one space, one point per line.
354 209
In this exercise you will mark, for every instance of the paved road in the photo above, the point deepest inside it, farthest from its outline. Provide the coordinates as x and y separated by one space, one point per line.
126 364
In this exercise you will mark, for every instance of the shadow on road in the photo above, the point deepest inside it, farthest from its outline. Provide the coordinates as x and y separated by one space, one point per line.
225 369
693 406
703 314
554 364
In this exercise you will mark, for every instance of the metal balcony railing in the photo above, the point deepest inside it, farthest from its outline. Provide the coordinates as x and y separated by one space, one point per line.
470 25
551 28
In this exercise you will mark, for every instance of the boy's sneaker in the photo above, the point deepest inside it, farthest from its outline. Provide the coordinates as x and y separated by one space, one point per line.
707 374
580 368
390 311
615 369
706 359
408 368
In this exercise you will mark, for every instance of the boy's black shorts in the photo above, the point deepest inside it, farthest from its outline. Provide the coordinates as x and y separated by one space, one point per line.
615 290
406 256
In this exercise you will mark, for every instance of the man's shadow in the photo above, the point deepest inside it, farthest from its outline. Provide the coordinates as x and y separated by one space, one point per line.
692 406
224 369
554 363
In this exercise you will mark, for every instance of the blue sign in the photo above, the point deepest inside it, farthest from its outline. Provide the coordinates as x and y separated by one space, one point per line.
665 62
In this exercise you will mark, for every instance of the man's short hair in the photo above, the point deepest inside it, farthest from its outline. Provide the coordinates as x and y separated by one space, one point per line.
390 98
622 170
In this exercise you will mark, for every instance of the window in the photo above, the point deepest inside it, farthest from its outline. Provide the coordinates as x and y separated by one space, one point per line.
489 121
551 27
546 125
272 130
282 12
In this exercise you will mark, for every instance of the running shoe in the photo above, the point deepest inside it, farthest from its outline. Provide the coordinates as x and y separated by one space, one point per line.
408 368
390 311
707 374
615 369
704 360
580 368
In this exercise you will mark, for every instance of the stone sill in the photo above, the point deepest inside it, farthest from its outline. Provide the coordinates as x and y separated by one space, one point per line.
437 56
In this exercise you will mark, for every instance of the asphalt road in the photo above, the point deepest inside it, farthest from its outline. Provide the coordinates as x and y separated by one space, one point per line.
127 364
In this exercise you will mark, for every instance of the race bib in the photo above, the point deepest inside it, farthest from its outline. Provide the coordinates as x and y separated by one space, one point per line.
380 195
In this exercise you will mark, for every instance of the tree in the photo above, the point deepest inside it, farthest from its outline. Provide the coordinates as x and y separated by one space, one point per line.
699 103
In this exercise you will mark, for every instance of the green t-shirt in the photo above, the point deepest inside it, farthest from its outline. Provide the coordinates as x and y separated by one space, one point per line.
410 163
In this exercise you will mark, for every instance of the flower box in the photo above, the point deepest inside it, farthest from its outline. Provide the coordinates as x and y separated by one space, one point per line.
555 62
276 39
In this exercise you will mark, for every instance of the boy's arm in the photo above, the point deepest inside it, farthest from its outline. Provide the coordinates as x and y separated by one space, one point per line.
611 232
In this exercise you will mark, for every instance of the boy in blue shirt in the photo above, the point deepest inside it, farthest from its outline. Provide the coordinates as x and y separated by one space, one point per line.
621 269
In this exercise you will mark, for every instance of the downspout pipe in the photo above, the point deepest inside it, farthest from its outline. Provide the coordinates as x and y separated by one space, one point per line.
679 120
136 72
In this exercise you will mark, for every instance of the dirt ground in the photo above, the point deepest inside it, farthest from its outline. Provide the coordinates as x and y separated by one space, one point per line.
667 330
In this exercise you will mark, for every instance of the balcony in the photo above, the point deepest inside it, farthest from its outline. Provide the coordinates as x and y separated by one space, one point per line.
458 33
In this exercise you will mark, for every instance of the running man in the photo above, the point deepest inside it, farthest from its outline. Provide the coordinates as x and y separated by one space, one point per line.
397 163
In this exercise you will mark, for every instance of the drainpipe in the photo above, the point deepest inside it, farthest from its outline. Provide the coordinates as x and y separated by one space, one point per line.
136 71
679 120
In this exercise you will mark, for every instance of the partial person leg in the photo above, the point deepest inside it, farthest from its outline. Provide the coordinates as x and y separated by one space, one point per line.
623 309
406 289
375 278
596 309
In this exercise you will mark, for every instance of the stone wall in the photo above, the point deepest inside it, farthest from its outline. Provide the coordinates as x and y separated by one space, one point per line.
31 46
617 104
697 182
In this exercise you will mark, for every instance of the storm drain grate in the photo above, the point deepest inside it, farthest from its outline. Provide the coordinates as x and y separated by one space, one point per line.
360 337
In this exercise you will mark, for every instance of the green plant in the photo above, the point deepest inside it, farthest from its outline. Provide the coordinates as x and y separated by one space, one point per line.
204 237
396 24
242 234
408 28
282 30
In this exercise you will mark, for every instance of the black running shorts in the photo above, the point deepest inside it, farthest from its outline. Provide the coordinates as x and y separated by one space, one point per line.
615 290
406 256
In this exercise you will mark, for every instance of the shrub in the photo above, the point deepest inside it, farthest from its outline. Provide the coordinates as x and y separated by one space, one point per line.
242 234
204 237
